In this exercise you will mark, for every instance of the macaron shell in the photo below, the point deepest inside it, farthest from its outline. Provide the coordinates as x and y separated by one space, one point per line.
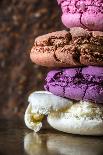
82 118
43 102
82 13
78 84
73 20
93 22
29 122
73 48
75 126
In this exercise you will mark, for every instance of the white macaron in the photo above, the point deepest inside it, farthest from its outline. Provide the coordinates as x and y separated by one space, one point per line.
82 118
42 103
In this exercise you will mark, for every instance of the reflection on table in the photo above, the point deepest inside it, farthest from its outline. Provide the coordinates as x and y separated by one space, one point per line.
62 144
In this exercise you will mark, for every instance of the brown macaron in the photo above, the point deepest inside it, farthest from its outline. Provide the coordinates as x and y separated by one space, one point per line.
72 48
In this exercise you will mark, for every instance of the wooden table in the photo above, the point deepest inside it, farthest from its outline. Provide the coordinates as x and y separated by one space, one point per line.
16 139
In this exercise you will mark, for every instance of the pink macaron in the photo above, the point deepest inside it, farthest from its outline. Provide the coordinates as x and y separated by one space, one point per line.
82 13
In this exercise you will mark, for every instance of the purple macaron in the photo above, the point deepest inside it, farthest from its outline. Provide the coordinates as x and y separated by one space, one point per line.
84 83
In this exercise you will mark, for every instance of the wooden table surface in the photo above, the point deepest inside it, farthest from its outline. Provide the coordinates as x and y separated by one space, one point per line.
16 139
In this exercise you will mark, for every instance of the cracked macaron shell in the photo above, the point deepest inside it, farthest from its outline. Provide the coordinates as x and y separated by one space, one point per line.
78 83
82 13
43 102
76 47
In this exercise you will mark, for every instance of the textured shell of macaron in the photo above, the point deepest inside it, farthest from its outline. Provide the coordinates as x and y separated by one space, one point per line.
43 102
77 83
73 48
82 118
82 13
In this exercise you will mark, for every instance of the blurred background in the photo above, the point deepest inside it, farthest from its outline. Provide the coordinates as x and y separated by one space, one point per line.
20 22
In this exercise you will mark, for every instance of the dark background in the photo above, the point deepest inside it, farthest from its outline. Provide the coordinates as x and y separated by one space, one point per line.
20 22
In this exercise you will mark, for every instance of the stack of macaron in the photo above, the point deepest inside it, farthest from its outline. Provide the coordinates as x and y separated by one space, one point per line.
73 96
